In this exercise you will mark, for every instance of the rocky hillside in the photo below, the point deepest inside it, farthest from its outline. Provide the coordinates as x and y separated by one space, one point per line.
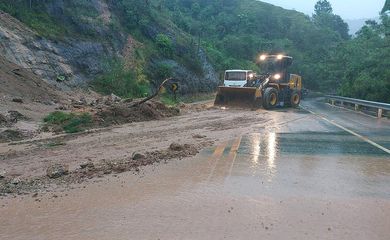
62 63
73 43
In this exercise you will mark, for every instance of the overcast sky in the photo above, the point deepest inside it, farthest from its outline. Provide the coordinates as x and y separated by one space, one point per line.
347 9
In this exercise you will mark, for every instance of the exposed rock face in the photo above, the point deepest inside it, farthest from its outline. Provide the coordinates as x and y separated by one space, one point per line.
190 82
76 60
79 57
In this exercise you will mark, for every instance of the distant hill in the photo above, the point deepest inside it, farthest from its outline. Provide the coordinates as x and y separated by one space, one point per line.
356 24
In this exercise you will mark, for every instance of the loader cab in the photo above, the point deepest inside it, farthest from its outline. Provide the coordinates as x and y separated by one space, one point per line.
276 66
237 78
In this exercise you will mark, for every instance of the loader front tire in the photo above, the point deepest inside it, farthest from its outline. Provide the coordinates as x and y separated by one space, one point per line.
295 99
271 98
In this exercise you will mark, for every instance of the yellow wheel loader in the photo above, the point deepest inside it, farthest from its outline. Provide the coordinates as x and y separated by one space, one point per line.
275 87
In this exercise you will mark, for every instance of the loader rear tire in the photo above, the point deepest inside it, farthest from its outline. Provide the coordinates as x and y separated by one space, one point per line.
271 98
295 99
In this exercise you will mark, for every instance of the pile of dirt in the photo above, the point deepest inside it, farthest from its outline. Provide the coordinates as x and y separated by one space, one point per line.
10 135
132 112
60 175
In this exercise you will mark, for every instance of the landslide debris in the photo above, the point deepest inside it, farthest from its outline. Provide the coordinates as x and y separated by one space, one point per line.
104 112
60 175
132 112
10 135
57 170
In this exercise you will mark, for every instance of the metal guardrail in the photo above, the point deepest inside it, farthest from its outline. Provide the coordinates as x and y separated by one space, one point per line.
359 103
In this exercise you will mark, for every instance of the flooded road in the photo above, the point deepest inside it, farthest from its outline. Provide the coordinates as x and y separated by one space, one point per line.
299 178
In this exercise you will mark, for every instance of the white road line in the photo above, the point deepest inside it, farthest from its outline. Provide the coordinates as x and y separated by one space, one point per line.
351 132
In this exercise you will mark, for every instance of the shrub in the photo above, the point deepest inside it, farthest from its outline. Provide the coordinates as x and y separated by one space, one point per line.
120 81
68 122
164 44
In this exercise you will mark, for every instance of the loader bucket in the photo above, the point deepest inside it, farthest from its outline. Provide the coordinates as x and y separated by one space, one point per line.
237 97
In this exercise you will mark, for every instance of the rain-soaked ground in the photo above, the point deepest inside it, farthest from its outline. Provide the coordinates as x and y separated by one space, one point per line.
306 179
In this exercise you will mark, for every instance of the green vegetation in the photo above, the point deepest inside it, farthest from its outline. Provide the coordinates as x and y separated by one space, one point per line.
232 33
68 122
386 7
360 68
120 81
164 44
35 17
168 99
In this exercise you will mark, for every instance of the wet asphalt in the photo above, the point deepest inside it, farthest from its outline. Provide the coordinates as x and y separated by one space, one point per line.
301 177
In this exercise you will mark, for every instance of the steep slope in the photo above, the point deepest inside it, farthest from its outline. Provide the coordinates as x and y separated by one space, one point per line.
75 60
23 92
17 82
77 42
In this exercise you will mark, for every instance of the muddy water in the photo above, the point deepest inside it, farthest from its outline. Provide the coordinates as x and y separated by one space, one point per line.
304 185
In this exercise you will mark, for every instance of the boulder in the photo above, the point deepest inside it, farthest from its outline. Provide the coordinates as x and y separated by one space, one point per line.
15 116
176 147
17 100
87 164
57 170
16 181
115 98
138 156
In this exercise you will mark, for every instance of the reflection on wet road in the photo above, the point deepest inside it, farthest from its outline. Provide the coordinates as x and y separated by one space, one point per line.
301 180
315 164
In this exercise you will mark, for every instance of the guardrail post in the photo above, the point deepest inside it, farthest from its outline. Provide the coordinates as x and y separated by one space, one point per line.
380 113
332 102
356 107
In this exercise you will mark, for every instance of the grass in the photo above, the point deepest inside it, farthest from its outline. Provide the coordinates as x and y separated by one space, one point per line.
169 100
36 18
68 122
191 98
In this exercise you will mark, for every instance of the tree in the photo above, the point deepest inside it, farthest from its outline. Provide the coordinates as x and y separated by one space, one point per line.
324 17
386 7
323 6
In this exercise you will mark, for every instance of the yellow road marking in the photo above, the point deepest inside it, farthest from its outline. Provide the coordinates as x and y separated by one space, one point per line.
218 152
235 146
351 132
233 153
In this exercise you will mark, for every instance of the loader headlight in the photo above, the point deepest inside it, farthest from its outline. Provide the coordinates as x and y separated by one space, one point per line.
277 76
263 57
251 76
279 57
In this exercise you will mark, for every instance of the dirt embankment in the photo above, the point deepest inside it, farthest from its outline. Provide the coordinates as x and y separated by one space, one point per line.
26 99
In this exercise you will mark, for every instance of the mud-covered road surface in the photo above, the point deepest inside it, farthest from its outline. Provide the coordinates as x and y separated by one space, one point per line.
312 173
